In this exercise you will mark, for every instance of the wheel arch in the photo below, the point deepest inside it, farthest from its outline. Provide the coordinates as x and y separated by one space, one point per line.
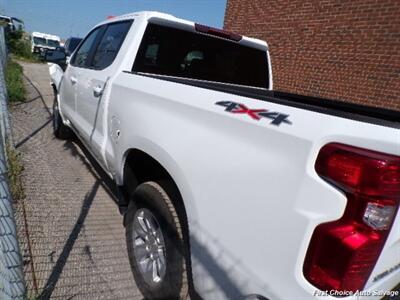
139 166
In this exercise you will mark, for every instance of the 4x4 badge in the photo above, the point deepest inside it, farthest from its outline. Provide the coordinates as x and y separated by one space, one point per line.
256 114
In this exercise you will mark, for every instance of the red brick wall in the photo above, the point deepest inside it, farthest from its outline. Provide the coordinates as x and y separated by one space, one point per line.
347 50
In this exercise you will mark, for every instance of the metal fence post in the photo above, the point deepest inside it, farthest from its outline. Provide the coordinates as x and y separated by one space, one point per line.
4 118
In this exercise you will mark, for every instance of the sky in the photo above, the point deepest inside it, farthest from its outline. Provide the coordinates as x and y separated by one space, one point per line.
76 17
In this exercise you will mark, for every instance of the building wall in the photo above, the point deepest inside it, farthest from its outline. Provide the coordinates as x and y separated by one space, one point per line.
346 50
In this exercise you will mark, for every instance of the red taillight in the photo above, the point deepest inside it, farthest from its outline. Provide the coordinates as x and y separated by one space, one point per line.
342 253
218 32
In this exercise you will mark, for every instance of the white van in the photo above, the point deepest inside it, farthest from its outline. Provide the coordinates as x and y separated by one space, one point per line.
44 41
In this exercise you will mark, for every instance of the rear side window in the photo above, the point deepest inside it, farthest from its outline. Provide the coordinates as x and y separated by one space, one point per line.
109 44
175 52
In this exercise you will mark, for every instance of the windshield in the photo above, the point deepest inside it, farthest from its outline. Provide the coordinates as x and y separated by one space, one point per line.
53 43
39 41
175 52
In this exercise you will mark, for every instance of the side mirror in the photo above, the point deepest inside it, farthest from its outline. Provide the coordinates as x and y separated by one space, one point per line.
57 57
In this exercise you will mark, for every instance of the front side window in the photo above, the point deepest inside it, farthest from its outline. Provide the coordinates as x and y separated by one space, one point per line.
180 53
81 57
39 41
53 43
190 57
109 44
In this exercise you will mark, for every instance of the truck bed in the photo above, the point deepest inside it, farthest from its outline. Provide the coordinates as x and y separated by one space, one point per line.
358 112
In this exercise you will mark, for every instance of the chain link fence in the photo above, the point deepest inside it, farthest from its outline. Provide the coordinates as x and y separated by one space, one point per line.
12 284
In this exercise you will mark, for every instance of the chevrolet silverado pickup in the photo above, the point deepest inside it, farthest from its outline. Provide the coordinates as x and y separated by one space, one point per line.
229 189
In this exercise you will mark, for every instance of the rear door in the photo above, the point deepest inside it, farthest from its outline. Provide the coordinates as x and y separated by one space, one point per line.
92 84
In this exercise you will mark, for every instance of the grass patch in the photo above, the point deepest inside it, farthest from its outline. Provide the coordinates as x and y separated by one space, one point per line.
20 46
15 168
14 82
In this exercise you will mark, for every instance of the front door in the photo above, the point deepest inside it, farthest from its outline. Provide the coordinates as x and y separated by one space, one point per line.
78 63
67 91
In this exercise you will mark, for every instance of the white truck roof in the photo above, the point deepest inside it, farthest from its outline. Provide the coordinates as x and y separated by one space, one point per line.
46 36
252 42
5 17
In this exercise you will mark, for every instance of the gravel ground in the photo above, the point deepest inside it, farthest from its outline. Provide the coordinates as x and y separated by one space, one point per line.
70 231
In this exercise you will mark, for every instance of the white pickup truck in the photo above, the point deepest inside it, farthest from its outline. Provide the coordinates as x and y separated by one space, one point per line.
230 189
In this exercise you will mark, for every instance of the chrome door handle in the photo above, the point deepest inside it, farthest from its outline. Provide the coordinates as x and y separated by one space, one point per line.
97 91
73 80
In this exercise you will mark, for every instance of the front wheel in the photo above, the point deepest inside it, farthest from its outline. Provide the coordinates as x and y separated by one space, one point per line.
60 130
155 244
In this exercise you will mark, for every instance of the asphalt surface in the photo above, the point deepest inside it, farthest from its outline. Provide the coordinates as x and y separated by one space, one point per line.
70 231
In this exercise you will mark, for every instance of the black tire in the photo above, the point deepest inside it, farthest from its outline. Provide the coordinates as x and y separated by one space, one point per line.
60 130
151 196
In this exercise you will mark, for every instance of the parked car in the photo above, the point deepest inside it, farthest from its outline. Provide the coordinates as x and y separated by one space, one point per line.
46 53
229 189
70 46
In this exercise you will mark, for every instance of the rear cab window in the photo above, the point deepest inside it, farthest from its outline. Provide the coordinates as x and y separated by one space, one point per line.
194 55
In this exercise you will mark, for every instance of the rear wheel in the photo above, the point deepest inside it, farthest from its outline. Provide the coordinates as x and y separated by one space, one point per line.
60 130
155 244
